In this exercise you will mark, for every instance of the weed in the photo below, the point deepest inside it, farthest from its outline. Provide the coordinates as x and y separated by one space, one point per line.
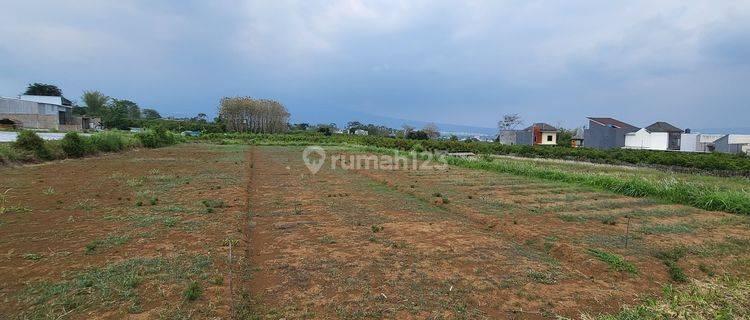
108 242
210 203
681 228
706 269
376 228
85 204
193 291
171 221
670 257
327 239
615 261
153 201
48 191
135 182
32 256
541 277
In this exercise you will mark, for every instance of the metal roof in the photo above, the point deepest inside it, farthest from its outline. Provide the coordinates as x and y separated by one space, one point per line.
661 126
611 122
542 127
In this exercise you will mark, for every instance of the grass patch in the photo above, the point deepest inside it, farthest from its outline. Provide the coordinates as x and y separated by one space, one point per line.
112 284
108 242
681 228
726 298
615 261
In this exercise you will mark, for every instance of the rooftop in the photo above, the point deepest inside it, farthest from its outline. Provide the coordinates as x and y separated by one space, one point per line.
662 127
611 122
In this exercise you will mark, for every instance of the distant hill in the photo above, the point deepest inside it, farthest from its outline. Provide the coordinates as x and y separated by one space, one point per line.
341 117
737 130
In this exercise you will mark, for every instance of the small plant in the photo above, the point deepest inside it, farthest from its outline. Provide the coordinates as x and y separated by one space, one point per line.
139 203
327 240
609 220
376 228
614 261
193 291
85 205
48 191
32 256
171 221
210 203
669 258
153 201
74 145
706 269
4 201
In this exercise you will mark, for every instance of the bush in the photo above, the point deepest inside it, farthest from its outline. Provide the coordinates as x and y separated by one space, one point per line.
74 145
108 141
30 141
193 291
9 154
157 138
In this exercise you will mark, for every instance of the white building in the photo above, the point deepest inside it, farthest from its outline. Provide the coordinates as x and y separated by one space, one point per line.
644 139
733 143
698 142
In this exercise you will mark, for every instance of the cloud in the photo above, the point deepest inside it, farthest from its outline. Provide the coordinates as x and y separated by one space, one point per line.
466 62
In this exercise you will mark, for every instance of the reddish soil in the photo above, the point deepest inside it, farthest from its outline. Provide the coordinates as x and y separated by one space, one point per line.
457 243
405 244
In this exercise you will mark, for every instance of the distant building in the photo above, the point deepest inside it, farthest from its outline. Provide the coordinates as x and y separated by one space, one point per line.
733 143
606 133
39 112
536 134
698 142
658 136
673 133
361 132
577 140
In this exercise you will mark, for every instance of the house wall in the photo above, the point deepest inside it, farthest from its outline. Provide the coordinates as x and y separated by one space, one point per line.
545 136
689 142
525 138
32 115
642 139
603 137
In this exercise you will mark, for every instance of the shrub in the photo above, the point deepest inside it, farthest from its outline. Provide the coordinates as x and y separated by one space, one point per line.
157 138
30 141
74 145
108 141
9 154
193 291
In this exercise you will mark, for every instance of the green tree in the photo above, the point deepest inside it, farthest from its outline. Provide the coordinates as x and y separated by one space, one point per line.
116 114
150 114
95 101
43 89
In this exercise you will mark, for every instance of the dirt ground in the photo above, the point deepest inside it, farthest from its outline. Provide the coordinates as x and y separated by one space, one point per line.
146 235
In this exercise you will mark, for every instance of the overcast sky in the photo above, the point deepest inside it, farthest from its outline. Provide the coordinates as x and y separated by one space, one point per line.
462 62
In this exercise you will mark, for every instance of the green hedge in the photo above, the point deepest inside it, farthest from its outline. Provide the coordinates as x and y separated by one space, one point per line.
29 147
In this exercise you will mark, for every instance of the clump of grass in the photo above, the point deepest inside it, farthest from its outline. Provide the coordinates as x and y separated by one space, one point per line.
327 239
615 261
670 257
48 191
85 204
541 277
153 201
212 203
681 228
32 256
135 182
376 228
108 242
706 269
193 291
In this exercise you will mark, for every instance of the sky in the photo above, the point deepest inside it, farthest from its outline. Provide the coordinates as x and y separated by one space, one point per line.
458 62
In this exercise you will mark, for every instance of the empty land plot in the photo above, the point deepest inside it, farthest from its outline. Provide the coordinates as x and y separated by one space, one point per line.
139 234
146 234
460 243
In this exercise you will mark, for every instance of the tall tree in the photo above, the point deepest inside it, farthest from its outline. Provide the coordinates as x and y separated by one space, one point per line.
507 127
431 130
115 115
150 114
254 115
43 89
95 102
